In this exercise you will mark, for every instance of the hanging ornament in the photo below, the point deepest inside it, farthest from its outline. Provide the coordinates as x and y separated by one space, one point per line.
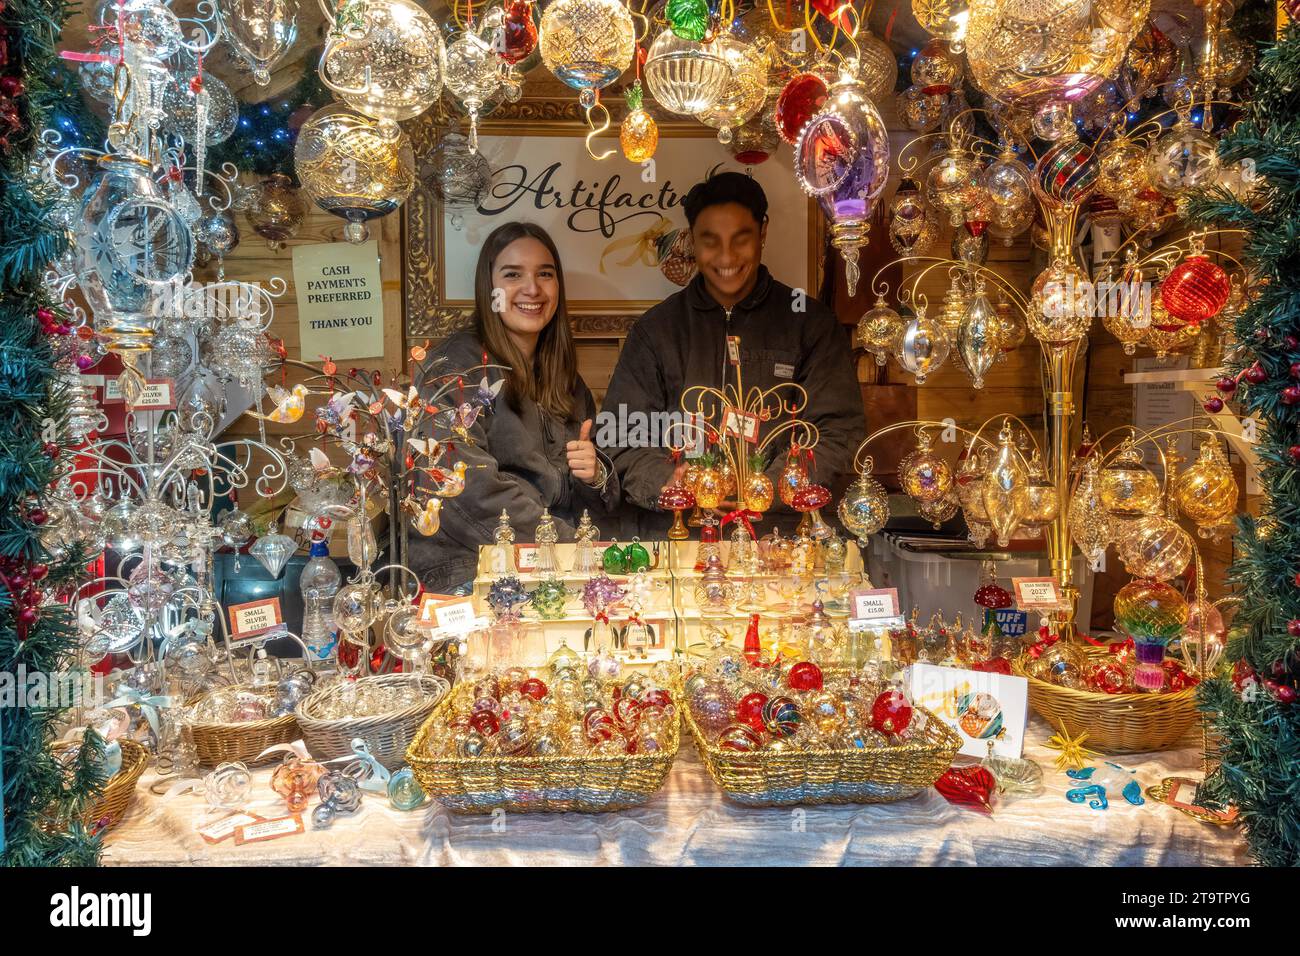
800 100
516 38
1234 59
953 312
353 167
637 135
390 66
1150 60
259 31
457 176
1155 547
877 66
1121 168
920 112
1066 174
1059 312
1196 289
472 76
945 19
1008 185
923 347
911 228
587 44
842 158
745 90
990 594
273 551
1206 491
181 101
1012 328
924 475
936 69
1003 488
1127 487
1042 504
688 19
1089 520
1183 159
277 210
951 183
977 339
864 507
879 330
684 76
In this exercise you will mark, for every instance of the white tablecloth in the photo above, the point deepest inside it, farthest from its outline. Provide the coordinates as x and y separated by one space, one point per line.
690 822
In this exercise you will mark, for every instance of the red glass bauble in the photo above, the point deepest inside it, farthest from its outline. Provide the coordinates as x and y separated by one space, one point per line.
799 102
533 688
485 722
804 676
993 596
1196 290
518 31
968 787
891 713
750 710
657 698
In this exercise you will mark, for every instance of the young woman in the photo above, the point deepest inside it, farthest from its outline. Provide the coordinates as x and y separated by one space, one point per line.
533 448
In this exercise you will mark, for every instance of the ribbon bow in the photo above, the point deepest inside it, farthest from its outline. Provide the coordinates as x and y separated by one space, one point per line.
131 697
369 773
1045 640
744 516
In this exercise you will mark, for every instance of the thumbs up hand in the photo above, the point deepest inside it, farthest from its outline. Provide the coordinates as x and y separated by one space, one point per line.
582 455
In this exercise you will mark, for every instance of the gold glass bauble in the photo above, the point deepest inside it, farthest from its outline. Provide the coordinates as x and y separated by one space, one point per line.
1089 521
953 311
353 167
864 507
744 92
924 475
943 18
1128 489
709 487
391 67
920 112
684 76
936 69
1206 491
937 512
878 330
1007 184
877 66
978 336
970 487
1121 168
638 135
1005 489
1058 311
758 492
1011 326
1155 547
1041 502
587 44
277 211
950 183
1235 58
1164 335
793 477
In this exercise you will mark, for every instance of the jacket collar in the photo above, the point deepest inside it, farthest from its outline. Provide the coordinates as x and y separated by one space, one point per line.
698 294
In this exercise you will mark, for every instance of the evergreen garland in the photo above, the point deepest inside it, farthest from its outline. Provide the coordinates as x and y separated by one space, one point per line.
1254 710
42 803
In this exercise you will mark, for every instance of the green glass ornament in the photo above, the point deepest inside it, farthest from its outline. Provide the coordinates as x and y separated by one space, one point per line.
548 600
636 558
689 19
614 561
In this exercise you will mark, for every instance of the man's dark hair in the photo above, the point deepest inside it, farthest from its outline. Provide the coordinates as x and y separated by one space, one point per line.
722 188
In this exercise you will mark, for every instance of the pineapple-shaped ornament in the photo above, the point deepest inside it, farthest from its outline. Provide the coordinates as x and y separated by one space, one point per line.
710 484
793 476
638 134
758 492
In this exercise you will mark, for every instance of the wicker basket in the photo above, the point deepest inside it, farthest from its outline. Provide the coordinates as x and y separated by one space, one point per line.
387 735
112 803
810 777
218 743
537 784
1114 723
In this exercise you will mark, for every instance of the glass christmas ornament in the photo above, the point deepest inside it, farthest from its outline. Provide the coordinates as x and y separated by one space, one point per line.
920 112
1155 547
1150 61
968 248
273 551
677 499
712 705
793 477
1196 290
864 507
953 311
911 227
1163 338
1041 502
809 500
1183 159
1127 487
260 32
516 37
688 19
684 76
1008 186
1053 122
879 330
472 76
220 113
587 44
353 167
217 231
1235 59
456 174
1011 327
1066 174
878 66
756 141
277 210
891 713
924 475
977 337
1004 489
945 19
240 351
936 69
709 487
390 65
745 90
637 134
1059 311
1121 168
130 245
1206 491
951 183
800 100
1150 611
1089 520
937 512
923 347
842 158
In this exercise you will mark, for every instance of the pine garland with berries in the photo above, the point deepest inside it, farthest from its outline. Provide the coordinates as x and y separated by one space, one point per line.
42 800
1254 711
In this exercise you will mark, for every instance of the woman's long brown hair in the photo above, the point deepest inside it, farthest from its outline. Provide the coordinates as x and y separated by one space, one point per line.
551 380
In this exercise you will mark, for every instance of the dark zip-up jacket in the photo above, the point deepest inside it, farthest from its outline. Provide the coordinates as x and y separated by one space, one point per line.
683 342
517 462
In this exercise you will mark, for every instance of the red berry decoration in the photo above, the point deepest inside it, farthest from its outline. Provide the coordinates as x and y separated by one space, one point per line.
1285 694
1291 395
1293 627
1295 369
37 516
1213 405
750 710
39 571
804 676
1291 342
891 713
534 688
1242 672
1256 374
1227 385
1294 452
1196 290
27 616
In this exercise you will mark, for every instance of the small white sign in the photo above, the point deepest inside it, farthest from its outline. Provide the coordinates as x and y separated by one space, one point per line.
981 706
875 604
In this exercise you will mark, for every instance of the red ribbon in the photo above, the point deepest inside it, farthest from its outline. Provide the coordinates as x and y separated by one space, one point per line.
744 516
1045 640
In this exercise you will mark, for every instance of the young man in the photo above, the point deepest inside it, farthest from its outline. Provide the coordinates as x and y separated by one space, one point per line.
784 335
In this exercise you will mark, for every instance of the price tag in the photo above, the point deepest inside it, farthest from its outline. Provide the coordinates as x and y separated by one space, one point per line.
740 423
733 349
526 557
158 395
113 390
443 612
1037 593
875 604
269 829
225 828
254 618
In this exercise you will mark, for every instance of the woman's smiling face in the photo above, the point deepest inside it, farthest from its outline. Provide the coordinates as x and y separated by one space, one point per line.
525 288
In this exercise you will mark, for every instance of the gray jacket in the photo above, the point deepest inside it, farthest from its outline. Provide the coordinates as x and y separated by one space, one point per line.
517 463
683 342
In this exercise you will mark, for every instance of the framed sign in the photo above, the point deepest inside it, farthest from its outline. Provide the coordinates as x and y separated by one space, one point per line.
609 218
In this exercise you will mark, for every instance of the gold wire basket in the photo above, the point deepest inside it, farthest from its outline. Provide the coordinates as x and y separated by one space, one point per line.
115 799
810 777
387 735
595 784
216 743
1114 723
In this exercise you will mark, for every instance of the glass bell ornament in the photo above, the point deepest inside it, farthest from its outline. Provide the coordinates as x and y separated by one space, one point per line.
273 551
745 90
353 167
277 210
1129 489
924 475
638 135
1196 290
1155 547
587 44
1206 491
920 112
923 347
864 507
684 76
1004 488
800 100
260 32
1183 159
1059 312
842 159
879 330
472 76
388 66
